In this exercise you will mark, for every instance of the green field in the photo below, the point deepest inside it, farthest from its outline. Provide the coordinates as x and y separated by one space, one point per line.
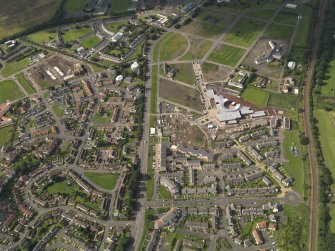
91 42
327 139
19 15
185 73
294 167
172 47
256 96
15 66
244 32
283 100
42 36
204 29
328 88
304 28
120 6
164 193
6 134
150 182
25 84
72 6
61 187
154 89
198 49
278 31
103 180
158 45
9 91
263 14
286 16
116 26
74 34
226 55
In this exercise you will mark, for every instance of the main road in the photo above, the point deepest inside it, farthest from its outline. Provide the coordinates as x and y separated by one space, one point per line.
307 121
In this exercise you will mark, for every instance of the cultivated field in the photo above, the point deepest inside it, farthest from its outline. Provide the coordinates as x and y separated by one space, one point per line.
180 94
244 32
9 91
103 180
198 49
227 55
18 15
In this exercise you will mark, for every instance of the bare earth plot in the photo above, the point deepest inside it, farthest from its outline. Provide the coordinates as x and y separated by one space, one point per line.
19 15
213 72
271 69
179 94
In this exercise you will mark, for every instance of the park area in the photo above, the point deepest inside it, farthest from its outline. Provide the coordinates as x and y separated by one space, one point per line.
103 180
9 91
227 55
173 47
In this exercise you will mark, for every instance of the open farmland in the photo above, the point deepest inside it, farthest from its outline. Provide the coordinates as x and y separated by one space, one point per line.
18 15
226 55
244 32
256 96
9 91
180 94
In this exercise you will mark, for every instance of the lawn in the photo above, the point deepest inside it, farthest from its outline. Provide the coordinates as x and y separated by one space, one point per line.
15 66
185 73
172 47
283 100
61 187
103 180
198 49
6 134
286 16
256 96
328 88
120 6
304 28
58 110
154 89
150 182
158 45
72 6
294 167
244 32
9 91
91 42
116 26
263 14
25 84
74 34
164 193
42 36
327 137
278 31
19 15
227 55
180 94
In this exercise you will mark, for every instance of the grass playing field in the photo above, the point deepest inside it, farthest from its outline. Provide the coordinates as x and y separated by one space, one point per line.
327 138
173 47
24 83
19 15
6 134
74 34
256 96
72 6
9 91
278 31
91 42
226 55
245 32
294 167
103 180
42 36
198 49
120 6
283 100
15 66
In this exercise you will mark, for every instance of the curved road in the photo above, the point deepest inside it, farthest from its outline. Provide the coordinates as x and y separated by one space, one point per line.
307 118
